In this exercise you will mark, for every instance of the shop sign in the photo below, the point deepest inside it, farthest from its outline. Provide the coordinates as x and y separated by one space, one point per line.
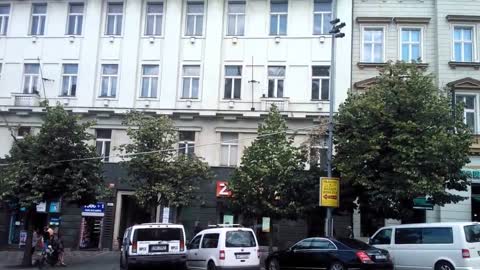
42 207
227 219
222 189
472 174
54 207
23 238
54 221
329 192
93 210
265 224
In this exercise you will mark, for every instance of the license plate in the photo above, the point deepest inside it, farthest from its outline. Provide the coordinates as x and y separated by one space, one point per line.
242 256
381 257
159 248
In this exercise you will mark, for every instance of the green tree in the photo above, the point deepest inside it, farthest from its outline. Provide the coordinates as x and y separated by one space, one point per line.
402 140
43 167
159 175
269 180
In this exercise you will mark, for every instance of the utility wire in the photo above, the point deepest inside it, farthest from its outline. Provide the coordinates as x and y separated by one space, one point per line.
171 149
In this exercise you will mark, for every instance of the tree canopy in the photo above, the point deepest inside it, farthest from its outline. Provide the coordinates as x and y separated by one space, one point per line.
402 140
269 180
157 172
44 166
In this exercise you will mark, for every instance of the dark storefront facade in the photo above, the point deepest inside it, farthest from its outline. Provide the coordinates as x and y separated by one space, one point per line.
99 226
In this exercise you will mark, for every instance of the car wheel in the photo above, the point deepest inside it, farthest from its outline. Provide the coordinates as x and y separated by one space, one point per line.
273 265
336 266
211 266
444 266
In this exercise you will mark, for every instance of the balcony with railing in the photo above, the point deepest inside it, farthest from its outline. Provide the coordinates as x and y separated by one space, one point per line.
281 103
25 99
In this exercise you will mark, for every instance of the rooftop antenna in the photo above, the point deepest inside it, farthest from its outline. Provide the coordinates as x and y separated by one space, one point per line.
253 82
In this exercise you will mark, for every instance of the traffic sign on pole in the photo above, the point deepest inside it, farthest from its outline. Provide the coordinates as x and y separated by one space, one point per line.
330 192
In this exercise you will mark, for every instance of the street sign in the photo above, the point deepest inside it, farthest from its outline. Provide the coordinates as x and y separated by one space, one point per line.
222 189
93 210
265 224
329 192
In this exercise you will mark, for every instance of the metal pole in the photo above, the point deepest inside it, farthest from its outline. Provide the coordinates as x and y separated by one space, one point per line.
329 218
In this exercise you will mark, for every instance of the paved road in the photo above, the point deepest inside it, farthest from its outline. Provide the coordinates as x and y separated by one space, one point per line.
79 261
100 261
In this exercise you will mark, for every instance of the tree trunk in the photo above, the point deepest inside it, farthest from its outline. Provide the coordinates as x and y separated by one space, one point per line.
270 237
153 214
27 252
178 211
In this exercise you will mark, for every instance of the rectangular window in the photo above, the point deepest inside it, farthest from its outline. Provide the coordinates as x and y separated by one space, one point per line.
186 143
278 17
69 80
373 45
411 44
194 24
39 16
153 24
322 15
210 240
22 132
472 233
191 81
149 81
103 141
229 149
109 80
75 19
276 77
236 18
468 110
423 236
318 152
463 43
4 17
114 19
31 78
233 82
320 82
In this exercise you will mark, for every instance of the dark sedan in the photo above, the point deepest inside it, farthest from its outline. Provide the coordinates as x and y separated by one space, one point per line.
331 254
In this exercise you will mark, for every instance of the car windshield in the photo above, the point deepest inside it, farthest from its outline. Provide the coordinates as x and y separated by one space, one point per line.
158 234
240 239
355 244
472 233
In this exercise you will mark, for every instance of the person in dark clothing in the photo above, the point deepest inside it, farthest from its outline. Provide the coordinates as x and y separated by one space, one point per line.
57 244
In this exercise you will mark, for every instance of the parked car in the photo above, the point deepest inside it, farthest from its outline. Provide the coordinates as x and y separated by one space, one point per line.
331 254
153 244
439 246
224 247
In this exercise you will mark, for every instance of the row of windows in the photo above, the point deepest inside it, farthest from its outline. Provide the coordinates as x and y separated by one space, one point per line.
411 44
109 79
229 146
194 19
414 236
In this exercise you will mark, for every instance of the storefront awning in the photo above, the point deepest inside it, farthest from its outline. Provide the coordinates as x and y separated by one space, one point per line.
422 203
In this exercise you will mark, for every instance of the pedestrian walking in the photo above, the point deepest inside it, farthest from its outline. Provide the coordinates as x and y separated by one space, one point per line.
57 242
350 232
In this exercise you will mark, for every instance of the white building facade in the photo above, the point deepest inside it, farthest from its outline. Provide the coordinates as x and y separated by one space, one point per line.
214 66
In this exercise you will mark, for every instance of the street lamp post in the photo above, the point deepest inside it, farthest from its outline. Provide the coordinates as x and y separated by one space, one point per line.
335 32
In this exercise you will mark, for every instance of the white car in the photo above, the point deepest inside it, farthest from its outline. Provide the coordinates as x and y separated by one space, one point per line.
226 247
438 246
152 244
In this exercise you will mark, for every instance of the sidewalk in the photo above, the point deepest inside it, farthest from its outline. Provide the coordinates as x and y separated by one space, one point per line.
11 258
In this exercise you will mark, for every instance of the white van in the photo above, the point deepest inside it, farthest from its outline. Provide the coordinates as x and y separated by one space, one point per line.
438 246
153 243
224 247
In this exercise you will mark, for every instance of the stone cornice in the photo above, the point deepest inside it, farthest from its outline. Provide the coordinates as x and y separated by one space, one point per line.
463 18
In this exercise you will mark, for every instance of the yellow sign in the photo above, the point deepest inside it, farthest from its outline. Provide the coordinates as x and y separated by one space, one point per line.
329 192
